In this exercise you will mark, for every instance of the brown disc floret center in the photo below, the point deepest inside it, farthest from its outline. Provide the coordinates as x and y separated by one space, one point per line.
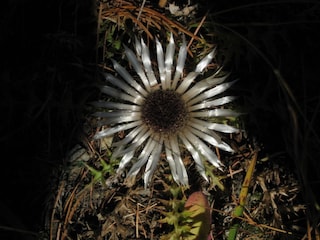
164 111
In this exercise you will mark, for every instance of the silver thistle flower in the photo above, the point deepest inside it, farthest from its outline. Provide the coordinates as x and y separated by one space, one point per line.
165 113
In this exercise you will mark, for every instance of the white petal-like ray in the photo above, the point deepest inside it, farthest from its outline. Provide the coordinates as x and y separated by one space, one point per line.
125 160
141 138
212 140
137 67
138 47
214 103
147 64
120 84
202 85
204 125
195 155
215 113
161 66
128 78
116 105
186 82
181 170
175 166
199 124
133 134
170 160
118 116
136 134
112 92
223 128
205 61
118 128
153 161
192 75
211 92
143 157
180 63
169 61
203 149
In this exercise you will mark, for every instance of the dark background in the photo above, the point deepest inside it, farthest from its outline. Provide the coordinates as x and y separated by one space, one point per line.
47 75
48 70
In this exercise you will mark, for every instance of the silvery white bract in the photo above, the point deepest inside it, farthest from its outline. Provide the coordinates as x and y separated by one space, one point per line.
163 110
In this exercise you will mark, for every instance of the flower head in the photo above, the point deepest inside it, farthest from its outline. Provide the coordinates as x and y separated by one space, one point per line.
162 110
